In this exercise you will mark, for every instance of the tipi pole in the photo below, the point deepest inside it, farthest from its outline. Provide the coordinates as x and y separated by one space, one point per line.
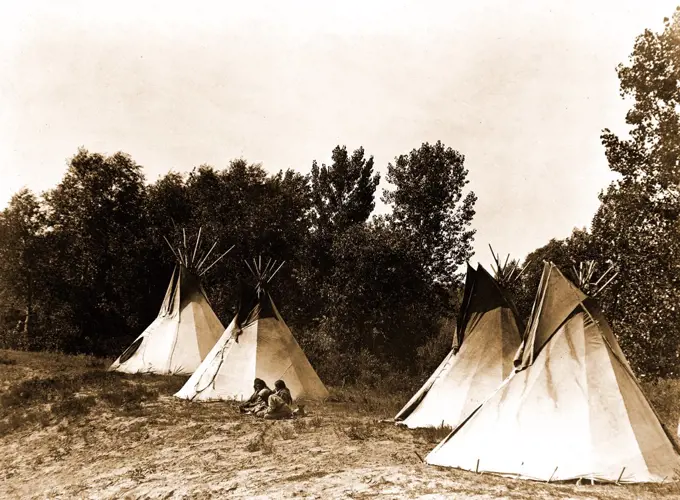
266 267
200 264
198 239
604 274
172 249
605 285
216 261
249 268
553 474
277 270
524 268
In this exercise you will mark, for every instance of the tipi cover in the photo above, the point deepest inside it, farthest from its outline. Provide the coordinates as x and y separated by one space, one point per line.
487 338
257 343
186 327
571 409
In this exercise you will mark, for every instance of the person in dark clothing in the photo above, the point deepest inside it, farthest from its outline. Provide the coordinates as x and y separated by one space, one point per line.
252 401
278 404
283 392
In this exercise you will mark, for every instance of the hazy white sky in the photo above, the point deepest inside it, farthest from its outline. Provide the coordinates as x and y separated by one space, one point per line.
521 88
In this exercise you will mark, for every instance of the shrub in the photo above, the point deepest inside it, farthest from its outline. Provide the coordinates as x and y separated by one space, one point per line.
260 443
431 434
73 407
4 360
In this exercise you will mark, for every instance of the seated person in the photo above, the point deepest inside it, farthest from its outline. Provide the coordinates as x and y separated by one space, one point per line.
283 392
252 401
278 403
262 402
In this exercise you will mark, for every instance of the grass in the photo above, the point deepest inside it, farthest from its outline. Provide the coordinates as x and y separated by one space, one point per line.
85 431
432 435
357 430
369 401
5 360
284 431
74 394
261 443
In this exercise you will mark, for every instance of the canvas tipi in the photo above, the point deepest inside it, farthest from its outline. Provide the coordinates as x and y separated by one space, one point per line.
186 327
257 343
486 340
571 409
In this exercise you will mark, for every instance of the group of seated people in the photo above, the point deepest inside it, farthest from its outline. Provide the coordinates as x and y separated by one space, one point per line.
268 404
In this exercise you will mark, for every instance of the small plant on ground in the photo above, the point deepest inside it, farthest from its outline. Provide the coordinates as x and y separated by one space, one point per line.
260 443
284 431
357 431
4 360
432 434
129 395
72 407
315 422
299 425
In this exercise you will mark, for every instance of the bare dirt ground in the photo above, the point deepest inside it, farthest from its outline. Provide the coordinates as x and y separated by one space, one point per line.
70 430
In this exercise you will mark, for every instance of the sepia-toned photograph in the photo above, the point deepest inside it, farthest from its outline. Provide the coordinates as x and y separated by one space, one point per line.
360 249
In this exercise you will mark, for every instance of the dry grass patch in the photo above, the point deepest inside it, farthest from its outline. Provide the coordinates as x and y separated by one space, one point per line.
261 443
113 435
284 431
432 435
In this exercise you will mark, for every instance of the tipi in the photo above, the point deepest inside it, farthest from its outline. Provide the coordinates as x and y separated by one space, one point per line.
186 327
571 409
486 340
257 343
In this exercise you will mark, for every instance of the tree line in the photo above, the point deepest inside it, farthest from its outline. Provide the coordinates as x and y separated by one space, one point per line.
84 266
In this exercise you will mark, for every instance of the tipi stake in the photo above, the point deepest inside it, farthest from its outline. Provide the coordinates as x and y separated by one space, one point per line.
620 475
477 467
553 474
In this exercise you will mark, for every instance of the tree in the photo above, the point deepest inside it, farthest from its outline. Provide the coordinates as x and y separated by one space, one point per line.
429 206
637 222
343 193
97 229
21 230
378 298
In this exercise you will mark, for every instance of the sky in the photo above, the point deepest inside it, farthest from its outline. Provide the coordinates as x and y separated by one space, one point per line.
522 88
